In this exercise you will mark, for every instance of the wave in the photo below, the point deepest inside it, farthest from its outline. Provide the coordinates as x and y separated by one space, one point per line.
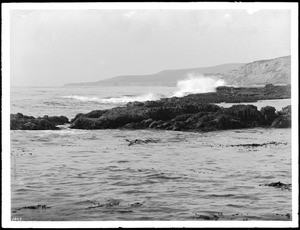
115 100
197 84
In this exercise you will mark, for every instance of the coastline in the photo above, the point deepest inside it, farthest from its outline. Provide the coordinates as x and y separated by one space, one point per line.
194 112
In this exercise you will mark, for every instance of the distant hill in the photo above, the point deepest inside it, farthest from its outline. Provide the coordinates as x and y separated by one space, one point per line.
164 78
274 71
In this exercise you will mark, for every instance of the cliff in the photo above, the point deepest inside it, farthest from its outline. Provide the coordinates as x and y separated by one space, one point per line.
276 71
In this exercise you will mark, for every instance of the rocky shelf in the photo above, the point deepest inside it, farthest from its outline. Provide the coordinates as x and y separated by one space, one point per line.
194 112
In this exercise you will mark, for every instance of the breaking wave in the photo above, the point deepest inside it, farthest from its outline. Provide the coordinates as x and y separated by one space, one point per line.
115 100
197 84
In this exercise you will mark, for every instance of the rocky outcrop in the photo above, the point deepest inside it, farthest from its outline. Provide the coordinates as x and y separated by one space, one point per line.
160 114
283 119
269 114
286 111
167 114
56 120
22 122
194 112
179 114
282 122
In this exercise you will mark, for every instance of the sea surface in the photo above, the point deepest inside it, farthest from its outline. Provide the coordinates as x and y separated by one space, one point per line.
96 175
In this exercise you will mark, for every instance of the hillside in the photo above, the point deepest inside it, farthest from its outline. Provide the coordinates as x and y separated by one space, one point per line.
273 71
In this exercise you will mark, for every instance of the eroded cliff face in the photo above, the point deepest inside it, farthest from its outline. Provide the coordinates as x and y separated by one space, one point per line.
275 71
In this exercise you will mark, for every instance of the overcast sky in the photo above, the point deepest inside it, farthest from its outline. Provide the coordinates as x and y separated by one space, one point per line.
54 47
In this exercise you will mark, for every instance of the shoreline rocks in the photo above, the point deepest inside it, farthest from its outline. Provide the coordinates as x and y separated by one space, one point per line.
183 117
22 122
283 119
166 116
194 112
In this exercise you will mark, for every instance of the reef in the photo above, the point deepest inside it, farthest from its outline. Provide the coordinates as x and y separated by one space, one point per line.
22 122
182 115
194 112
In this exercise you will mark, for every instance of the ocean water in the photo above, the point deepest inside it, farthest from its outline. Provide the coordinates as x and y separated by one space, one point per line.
95 175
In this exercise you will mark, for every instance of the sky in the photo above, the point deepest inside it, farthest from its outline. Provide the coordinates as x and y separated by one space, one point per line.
55 47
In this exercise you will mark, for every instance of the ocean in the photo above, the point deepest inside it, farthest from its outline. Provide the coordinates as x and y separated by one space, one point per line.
95 175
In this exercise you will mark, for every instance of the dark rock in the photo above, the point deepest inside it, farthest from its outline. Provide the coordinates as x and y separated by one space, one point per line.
137 125
194 118
206 117
109 203
283 119
282 122
269 114
20 116
268 111
279 185
147 122
153 116
150 104
248 114
183 117
286 111
35 207
208 216
219 122
95 113
77 116
139 141
83 122
137 204
178 126
130 126
21 122
135 103
154 124
56 120
92 114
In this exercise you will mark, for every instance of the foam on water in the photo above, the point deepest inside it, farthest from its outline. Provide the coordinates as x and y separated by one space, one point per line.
114 100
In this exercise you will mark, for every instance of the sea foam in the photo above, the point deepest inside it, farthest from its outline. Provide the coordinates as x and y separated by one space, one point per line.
115 100
197 84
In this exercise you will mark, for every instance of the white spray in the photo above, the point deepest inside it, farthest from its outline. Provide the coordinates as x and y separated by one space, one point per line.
197 84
